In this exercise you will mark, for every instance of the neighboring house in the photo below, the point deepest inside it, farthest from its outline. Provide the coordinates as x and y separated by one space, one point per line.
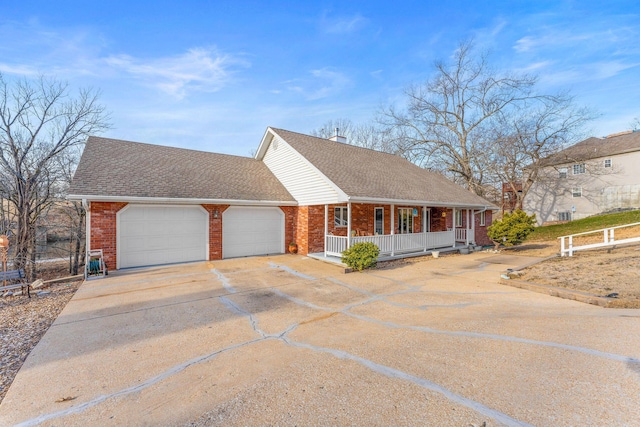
511 196
590 177
150 204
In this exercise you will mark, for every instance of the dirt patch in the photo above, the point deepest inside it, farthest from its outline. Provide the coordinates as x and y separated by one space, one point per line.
23 321
598 272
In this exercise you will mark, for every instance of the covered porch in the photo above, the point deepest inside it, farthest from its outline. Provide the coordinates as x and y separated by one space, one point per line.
398 230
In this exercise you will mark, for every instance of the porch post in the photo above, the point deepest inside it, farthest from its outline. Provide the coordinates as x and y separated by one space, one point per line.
468 227
473 226
424 226
393 231
326 227
453 225
348 225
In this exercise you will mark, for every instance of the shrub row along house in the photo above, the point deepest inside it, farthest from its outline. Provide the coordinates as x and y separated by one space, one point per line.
150 205
593 176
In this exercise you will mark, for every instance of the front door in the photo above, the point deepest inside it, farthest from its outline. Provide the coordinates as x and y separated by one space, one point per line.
405 220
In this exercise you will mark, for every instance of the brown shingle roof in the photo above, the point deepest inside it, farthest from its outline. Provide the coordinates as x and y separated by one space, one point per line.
365 173
592 148
111 167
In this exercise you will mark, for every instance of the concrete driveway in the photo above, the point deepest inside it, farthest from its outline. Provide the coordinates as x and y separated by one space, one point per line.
288 340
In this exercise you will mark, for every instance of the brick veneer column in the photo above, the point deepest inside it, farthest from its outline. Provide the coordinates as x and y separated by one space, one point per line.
302 229
481 230
215 230
290 218
103 230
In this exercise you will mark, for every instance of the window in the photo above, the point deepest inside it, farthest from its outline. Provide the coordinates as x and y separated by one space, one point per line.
607 163
562 172
576 191
459 218
579 169
405 220
483 217
379 221
340 216
564 216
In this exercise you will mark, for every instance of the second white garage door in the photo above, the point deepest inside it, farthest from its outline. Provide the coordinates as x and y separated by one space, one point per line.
248 231
152 235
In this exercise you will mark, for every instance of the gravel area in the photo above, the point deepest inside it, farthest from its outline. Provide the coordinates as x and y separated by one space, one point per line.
597 272
23 321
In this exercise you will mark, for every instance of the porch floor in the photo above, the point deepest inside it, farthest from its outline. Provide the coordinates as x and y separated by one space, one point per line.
336 260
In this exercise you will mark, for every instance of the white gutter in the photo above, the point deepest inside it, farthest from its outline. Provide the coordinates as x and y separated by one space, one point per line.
87 233
417 202
179 201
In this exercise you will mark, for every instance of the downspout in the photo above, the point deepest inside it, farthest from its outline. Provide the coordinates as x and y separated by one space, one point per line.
87 234
326 228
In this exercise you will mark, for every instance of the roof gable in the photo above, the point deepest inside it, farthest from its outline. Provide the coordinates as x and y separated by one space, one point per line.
116 168
362 173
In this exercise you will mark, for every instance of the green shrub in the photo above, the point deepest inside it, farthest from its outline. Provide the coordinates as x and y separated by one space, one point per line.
361 255
511 229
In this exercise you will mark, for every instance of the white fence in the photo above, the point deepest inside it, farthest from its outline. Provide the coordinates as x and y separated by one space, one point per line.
391 244
607 241
461 235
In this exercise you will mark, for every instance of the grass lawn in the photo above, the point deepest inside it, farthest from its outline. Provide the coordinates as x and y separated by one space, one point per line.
550 232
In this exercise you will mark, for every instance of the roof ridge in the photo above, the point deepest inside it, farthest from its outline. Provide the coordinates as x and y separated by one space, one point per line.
167 147
345 144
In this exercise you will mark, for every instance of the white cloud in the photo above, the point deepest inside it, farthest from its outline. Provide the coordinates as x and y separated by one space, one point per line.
322 83
343 24
19 69
200 69
534 67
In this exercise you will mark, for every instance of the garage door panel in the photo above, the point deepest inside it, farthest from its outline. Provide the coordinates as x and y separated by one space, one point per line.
248 231
153 235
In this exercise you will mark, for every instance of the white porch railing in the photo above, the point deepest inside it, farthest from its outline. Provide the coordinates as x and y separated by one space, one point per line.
461 234
608 240
391 244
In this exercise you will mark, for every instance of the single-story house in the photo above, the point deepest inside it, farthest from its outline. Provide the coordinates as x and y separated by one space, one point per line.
150 204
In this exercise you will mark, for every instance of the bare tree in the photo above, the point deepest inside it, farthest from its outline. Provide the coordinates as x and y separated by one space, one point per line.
448 123
523 138
39 121
635 124
367 135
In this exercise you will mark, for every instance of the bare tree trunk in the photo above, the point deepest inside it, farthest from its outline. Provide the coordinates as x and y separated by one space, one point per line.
78 240
32 271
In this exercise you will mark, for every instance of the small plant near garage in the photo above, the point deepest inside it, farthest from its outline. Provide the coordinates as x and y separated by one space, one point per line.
361 255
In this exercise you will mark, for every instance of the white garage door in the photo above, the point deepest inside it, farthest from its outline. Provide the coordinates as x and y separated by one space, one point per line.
152 235
250 231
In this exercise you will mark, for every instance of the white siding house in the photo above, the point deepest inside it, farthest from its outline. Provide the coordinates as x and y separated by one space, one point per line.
594 176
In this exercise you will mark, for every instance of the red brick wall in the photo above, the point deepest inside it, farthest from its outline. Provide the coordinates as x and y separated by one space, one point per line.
290 219
439 222
215 230
301 235
103 229
481 230
316 228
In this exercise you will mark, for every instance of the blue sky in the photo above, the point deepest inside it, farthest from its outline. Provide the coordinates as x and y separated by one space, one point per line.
212 75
